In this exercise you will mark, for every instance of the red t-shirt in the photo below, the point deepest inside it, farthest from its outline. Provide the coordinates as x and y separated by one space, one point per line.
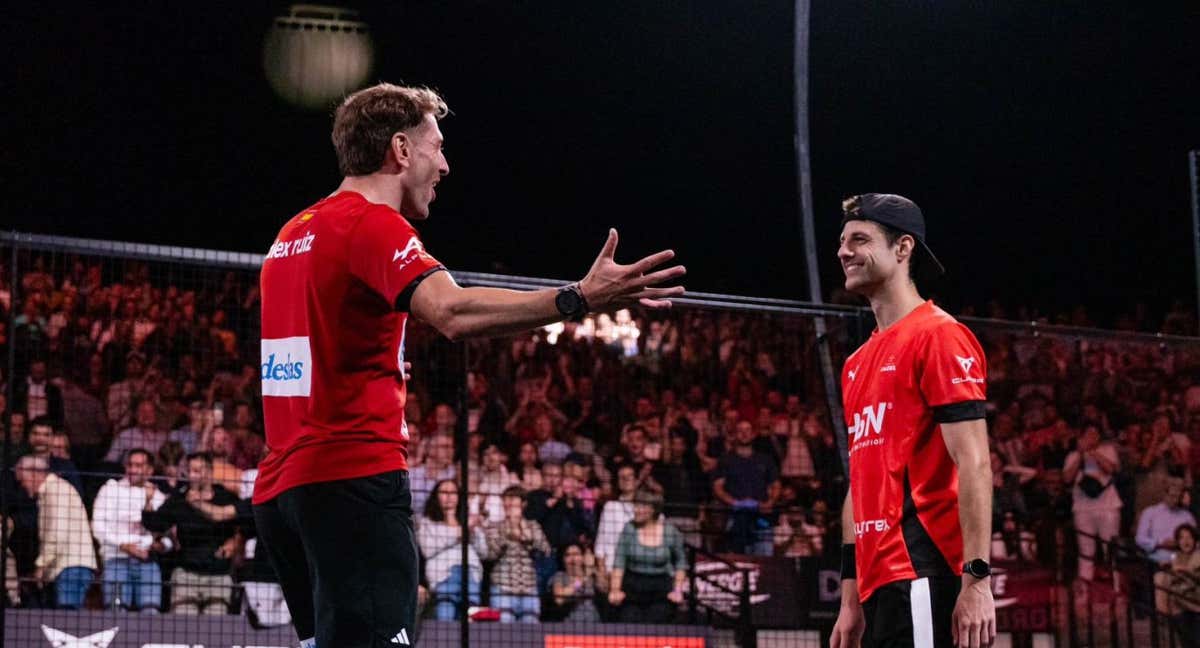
904 486
333 343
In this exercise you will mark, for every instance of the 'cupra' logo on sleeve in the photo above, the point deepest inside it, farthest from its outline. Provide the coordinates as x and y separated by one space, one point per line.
966 364
286 367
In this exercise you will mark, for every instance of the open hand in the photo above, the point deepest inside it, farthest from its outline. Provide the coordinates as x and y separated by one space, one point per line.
611 286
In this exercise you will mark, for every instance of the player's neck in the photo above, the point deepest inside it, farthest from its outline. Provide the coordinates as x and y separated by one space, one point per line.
377 188
893 301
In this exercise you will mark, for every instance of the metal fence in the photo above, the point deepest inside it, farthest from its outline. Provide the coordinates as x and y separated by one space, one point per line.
113 346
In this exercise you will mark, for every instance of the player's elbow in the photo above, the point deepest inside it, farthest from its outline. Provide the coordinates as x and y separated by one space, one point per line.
975 464
447 316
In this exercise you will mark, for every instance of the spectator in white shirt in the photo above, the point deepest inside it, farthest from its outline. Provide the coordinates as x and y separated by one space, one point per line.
615 515
494 479
1157 524
132 578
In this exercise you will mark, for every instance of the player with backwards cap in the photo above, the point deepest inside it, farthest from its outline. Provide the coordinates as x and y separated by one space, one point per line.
916 524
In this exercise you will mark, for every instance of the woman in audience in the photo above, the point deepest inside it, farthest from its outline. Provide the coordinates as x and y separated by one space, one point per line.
439 536
528 469
575 587
649 569
614 515
511 543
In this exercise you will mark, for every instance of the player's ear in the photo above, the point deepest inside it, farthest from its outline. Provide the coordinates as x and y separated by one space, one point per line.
905 246
401 148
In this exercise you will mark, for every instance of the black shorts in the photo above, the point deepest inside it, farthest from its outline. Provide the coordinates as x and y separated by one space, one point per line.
912 614
346 558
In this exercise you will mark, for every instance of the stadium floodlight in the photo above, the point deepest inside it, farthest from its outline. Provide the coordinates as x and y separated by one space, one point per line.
316 54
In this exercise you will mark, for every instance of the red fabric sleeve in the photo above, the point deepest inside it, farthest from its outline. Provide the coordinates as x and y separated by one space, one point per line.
386 253
954 369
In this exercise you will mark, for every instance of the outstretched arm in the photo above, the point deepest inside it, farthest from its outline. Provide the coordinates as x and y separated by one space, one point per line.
460 313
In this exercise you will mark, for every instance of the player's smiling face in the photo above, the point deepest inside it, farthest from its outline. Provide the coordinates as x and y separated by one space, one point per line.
426 166
867 259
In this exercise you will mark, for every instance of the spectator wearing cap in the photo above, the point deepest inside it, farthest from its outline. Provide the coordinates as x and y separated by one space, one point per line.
1157 524
66 557
146 434
132 578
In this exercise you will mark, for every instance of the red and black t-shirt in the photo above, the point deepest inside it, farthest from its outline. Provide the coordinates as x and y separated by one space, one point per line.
897 390
334 290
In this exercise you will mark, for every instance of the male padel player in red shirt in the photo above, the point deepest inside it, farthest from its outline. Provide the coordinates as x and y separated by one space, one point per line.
332 499
917 520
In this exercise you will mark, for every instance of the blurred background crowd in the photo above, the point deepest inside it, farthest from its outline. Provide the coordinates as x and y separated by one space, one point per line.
597 451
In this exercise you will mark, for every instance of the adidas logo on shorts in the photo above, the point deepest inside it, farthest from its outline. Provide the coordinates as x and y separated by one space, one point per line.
401 638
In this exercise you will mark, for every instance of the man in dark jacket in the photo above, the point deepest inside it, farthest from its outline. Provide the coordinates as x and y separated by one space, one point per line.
201 584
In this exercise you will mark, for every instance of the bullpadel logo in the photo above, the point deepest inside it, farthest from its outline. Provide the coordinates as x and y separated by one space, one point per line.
286 367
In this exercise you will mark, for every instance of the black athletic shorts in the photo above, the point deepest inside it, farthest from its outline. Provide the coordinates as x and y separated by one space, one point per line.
346 558
912 614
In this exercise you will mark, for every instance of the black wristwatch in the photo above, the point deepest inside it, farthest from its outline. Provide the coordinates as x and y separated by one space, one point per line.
571 303
979 568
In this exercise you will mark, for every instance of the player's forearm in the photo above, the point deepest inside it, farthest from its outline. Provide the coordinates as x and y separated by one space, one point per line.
848 520
975 508
490 312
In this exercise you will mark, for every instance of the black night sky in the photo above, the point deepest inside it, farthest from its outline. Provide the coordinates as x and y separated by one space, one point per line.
1046 141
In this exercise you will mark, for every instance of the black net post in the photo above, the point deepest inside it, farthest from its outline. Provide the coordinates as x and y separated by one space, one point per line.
11 362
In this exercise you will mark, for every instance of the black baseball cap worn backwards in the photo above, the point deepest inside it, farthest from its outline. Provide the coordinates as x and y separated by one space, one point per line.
899 213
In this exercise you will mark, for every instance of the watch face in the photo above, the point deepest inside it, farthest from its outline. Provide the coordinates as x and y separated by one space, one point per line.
567 302
979 568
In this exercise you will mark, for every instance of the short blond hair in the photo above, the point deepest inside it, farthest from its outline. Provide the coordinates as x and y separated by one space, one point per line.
364 123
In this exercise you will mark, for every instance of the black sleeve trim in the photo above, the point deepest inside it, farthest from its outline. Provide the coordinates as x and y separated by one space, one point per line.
964 411
404 299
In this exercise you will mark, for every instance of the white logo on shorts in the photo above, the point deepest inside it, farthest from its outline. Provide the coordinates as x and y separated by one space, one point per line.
401 638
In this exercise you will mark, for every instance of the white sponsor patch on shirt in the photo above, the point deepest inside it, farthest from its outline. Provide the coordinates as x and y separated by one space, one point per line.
286 367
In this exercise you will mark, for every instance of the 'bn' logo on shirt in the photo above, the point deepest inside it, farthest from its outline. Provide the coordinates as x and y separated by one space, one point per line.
868 421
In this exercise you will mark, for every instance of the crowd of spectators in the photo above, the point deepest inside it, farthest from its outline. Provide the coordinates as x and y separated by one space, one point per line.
596 451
